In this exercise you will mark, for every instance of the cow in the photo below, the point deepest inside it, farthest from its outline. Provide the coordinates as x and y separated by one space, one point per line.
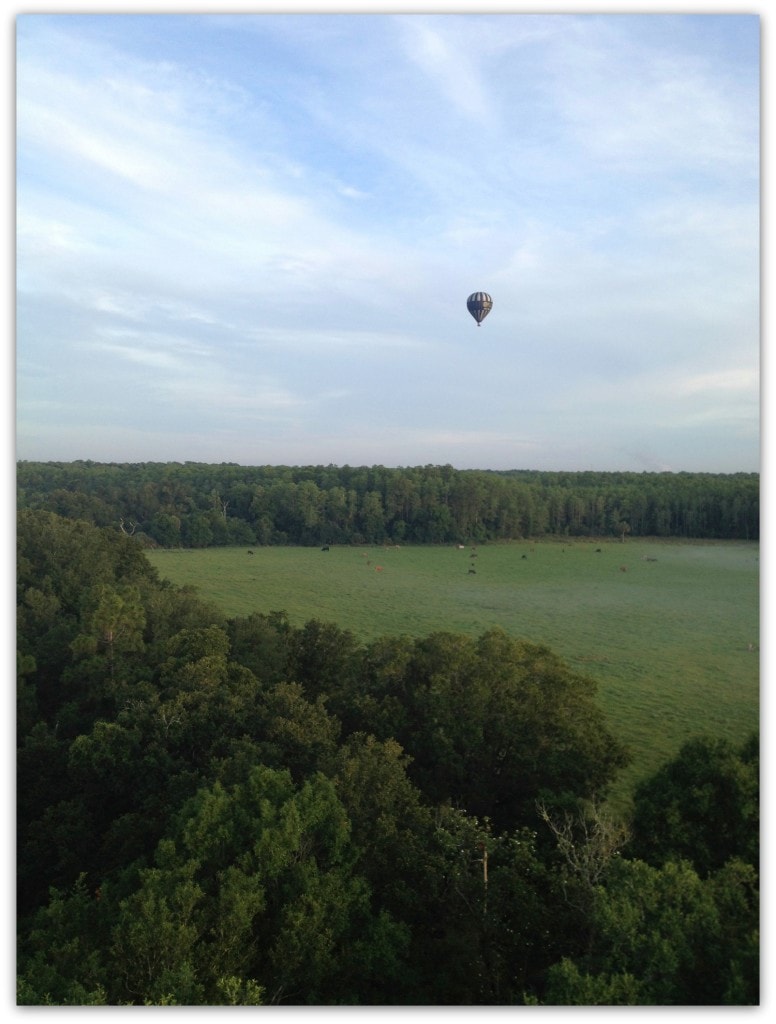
325 548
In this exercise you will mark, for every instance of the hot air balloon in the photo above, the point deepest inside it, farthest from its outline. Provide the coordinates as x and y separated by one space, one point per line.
479 305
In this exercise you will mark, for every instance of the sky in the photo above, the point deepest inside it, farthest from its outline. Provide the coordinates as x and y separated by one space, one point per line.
250 238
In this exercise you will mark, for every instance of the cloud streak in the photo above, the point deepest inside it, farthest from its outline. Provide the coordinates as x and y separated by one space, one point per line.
246 221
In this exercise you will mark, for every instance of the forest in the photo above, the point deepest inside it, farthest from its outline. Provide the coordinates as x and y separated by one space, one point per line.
236 811
198 505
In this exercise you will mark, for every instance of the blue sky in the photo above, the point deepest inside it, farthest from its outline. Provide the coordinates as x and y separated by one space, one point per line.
251 238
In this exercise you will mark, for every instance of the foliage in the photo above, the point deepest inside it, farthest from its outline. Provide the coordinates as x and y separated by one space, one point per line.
489 723
248 812
669 642
703 806
198 505
662 938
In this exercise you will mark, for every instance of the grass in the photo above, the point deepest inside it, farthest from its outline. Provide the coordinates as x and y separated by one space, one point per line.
667 636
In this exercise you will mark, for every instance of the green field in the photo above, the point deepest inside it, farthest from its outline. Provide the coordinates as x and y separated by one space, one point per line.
672 640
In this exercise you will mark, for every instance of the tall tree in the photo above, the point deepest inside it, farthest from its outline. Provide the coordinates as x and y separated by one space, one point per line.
702 806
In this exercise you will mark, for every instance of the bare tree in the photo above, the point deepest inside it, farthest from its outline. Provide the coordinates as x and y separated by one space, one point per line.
219 504
587 842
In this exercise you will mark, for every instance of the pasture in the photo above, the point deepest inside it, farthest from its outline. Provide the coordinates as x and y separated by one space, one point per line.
669 630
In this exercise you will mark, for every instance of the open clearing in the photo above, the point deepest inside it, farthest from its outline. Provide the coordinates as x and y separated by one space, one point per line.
669 630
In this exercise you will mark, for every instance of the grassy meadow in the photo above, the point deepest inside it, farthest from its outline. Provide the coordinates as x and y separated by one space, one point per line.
669 630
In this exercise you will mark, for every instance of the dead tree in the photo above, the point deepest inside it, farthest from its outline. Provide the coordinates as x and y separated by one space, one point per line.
587 843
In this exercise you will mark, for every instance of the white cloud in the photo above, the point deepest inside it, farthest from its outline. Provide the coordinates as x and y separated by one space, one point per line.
449 62
245 222
734 381
651 102
154 359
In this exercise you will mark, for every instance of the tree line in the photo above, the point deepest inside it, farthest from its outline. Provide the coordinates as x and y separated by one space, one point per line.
199 505
235 811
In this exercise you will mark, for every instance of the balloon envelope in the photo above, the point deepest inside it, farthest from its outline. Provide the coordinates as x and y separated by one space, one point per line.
479 305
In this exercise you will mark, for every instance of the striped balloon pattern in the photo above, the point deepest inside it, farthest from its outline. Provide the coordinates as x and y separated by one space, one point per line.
479 305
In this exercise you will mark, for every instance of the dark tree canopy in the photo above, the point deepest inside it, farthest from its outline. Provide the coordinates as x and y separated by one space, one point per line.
703 806
199 505
242 812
